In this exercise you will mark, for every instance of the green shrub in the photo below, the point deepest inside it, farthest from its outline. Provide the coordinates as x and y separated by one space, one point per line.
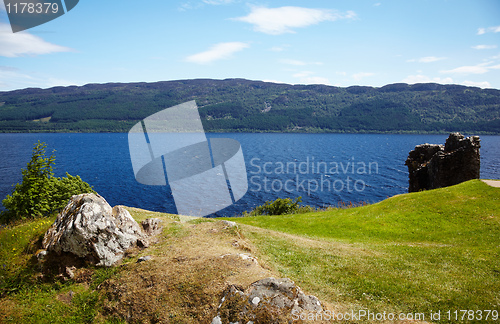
65 187
40 193
280 206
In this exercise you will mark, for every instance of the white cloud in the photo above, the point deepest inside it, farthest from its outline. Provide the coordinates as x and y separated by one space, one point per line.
476 69
494 29
278 48
377 4
481 47
273 81
196 4
496 57
217 52
276 21
362 75
473 69
315 80
25 44
12 78
427 59
185 6
302 74
293 62
217 2
4 68
412 79
307 77
190 5
298 62
483 84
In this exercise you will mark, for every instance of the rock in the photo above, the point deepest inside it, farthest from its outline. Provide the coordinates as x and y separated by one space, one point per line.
41 255
432 166
70 272
229 223
268 298
245 257
248 257
144 258
152 226
283 293
89 228
216 320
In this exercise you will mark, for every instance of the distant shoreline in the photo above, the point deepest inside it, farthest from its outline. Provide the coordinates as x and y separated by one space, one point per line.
402 132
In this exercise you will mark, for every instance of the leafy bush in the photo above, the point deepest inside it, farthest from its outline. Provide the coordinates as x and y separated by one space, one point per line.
40 193
280 206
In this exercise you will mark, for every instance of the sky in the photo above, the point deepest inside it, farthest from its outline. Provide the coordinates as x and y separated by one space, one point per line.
335 42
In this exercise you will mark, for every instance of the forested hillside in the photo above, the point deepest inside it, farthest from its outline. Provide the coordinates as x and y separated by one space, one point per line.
238 105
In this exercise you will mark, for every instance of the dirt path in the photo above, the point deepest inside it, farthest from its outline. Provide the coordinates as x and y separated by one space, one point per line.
493 183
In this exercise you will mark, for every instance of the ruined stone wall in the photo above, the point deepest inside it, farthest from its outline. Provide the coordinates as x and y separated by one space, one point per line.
432 166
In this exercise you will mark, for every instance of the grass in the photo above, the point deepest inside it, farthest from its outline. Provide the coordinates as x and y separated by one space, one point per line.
419 252
183 283
17 246
25 297
412 253
448 215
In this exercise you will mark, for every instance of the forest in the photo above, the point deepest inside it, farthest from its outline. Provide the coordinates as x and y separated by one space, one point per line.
239 105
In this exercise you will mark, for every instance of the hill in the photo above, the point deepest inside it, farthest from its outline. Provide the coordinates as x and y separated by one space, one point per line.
238 105
411 254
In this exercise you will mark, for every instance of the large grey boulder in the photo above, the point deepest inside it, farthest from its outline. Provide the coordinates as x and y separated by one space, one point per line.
89 228
432 166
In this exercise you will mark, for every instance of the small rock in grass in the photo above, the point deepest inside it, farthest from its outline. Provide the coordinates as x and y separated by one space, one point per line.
144 258
229 223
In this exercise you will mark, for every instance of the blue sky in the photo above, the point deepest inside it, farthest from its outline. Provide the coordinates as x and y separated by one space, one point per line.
341 43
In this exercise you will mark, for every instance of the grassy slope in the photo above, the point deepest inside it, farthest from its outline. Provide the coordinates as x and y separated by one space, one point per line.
432 250
183 283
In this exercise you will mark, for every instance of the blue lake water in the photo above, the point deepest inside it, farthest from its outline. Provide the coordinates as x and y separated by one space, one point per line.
324 169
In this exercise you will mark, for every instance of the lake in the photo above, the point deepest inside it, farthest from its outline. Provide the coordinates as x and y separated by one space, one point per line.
324 169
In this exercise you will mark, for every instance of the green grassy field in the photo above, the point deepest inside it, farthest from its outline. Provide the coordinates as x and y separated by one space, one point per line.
429 251
415 253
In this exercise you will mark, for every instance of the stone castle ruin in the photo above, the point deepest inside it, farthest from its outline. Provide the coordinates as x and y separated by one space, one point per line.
432 166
